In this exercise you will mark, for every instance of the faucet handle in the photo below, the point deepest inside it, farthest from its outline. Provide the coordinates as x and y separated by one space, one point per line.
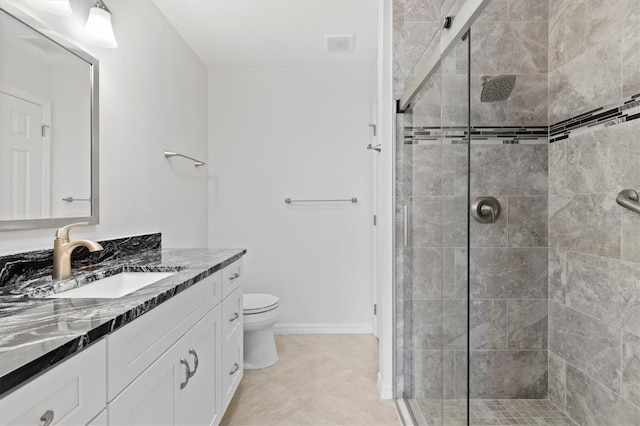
63 233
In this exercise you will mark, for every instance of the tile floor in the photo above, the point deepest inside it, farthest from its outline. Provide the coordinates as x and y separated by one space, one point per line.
494 412
319 379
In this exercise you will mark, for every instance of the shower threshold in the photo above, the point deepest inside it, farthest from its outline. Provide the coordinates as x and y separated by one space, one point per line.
453 412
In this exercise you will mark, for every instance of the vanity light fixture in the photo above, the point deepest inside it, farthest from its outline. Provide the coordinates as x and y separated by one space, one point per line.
56 7
98 29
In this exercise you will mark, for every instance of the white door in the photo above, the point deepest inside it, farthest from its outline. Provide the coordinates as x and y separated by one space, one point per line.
21 159
374 207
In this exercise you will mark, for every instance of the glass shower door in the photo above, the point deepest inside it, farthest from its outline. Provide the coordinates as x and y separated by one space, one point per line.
431 275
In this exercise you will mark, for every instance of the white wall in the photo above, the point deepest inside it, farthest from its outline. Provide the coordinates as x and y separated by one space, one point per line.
299 133
153 96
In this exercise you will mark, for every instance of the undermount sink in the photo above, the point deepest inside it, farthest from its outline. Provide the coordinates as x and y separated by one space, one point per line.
114 286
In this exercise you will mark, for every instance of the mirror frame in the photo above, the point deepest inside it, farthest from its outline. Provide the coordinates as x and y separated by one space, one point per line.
24 224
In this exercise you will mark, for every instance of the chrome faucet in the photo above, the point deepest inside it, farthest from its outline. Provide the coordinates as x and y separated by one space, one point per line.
62 249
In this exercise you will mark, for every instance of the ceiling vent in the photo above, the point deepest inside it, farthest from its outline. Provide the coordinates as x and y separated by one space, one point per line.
340 43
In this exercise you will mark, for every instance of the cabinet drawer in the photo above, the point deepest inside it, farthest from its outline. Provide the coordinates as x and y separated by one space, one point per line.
137 345
74 392
232 370
232 316
231 277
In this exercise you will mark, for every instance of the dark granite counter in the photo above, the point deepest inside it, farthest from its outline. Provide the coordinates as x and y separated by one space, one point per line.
37 333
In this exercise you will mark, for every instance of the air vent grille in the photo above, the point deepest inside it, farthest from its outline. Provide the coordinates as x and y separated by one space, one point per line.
339 43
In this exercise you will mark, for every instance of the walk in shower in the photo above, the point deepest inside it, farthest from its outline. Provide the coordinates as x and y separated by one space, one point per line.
517 278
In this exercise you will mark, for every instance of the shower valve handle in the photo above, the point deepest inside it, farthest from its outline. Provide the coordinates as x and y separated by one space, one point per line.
485 209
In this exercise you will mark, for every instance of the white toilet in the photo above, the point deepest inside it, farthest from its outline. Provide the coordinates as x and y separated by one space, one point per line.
260 314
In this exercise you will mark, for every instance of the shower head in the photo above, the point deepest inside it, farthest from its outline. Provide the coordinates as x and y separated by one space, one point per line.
497 88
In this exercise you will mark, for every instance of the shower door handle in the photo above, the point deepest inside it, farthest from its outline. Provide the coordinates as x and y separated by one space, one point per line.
485 209
406 226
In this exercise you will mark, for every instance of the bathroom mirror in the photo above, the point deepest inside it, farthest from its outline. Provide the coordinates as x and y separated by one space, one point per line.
48 127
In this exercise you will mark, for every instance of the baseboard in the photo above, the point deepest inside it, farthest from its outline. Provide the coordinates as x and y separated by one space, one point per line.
323 328
384 389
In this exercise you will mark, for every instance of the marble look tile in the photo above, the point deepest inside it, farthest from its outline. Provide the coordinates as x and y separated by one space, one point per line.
427 105
529 10
557 275
557 32
631 368
422 10
586 82
591 22
425 221
425 266
448 272
426 170
590 403
454 221
509 48
527 324
491 234
455 111
586 343
461 169
461 374
509 169
497 10
605 160
557 167
509 273
427 325
631 61
587 223
528 221
427 373
607 289
528 103
508 374
454 324
488 324
448 374
630 236
398 11
557 380
461 274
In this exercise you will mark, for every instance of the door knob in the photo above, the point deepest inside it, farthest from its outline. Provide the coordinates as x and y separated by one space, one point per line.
485 209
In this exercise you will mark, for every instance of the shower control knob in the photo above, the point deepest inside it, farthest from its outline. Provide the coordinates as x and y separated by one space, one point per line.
485 209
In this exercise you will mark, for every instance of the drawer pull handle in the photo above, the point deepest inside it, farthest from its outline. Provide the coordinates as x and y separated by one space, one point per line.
195 362
186 364
234 317
47 418
236 367
234 276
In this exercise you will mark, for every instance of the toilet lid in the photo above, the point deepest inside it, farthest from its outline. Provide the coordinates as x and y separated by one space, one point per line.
256 302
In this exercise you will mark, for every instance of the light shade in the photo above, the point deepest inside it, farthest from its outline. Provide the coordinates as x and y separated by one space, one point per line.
98 30
56 7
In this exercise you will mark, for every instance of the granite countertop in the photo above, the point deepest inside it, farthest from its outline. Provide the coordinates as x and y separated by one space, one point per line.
37 333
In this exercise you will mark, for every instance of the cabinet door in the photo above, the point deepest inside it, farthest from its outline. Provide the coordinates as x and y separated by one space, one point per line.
151 398
164 394
202 397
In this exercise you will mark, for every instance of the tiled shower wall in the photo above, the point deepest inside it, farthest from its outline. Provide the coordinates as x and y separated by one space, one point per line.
594 254
509 258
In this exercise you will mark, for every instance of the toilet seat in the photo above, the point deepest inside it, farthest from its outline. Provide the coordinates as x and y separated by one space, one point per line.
256 303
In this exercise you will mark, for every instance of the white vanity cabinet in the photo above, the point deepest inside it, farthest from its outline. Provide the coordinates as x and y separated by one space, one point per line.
175 389
168 366
72 393
178 364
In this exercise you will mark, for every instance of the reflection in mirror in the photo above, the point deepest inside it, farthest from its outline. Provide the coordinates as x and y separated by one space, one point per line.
48 128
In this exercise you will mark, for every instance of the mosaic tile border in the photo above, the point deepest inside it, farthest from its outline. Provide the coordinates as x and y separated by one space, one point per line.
506 135
602 117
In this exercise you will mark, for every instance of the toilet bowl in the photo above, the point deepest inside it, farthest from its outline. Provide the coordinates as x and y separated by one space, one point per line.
260 313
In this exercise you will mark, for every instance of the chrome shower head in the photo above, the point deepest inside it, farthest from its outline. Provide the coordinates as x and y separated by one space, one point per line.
497 88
